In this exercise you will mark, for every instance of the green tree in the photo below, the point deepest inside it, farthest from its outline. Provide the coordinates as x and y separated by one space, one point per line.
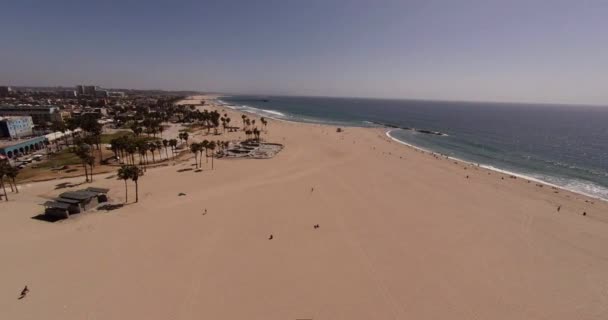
83 150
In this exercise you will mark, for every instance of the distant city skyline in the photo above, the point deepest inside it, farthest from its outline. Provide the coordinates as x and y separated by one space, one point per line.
543 51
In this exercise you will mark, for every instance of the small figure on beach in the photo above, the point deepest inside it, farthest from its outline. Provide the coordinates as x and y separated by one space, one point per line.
312 189
585 213
271 237
24 292
316 226
559 208
204 213
467 177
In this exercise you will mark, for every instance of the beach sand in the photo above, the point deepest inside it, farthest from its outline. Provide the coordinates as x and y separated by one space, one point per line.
402 235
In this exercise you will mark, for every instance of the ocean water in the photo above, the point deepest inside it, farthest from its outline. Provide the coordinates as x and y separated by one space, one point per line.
558 144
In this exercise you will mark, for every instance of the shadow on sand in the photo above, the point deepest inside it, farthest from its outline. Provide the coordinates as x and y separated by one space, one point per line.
47 218
110 206
64 185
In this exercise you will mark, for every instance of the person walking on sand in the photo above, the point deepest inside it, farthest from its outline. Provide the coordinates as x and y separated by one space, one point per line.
270 238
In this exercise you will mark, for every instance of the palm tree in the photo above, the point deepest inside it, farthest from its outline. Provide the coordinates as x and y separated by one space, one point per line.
159 146
166 144
195 148
152 147
143 152
264 123
12 172
161 129
205 145
185 135
3 167
90 160
212 146
136 172
124 173
173 144
83 152
131 148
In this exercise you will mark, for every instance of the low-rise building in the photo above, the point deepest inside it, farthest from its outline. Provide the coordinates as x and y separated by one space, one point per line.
39 114
73 202
16 148
16 127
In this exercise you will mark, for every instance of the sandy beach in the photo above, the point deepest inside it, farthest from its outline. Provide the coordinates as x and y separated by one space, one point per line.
402 234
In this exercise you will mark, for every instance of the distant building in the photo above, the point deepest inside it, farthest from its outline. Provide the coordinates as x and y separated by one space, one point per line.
69 93
90 90
39 114
117 94
5 91
80 90
101 93
16 127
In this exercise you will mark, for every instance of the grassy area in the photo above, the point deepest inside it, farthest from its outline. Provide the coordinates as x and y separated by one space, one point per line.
106 138
61 158
42 169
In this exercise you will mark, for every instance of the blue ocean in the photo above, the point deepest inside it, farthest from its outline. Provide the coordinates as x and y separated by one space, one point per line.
558 144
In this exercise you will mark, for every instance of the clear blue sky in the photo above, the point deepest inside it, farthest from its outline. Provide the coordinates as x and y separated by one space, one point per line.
507 50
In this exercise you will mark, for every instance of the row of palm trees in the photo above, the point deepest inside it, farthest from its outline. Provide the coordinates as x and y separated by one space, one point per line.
125 147
250 128
9 173
200 147
253 134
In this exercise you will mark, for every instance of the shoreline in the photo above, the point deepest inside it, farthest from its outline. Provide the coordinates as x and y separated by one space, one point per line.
389 129
494 169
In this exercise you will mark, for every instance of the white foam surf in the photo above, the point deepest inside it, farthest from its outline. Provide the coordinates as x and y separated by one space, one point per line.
577 186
